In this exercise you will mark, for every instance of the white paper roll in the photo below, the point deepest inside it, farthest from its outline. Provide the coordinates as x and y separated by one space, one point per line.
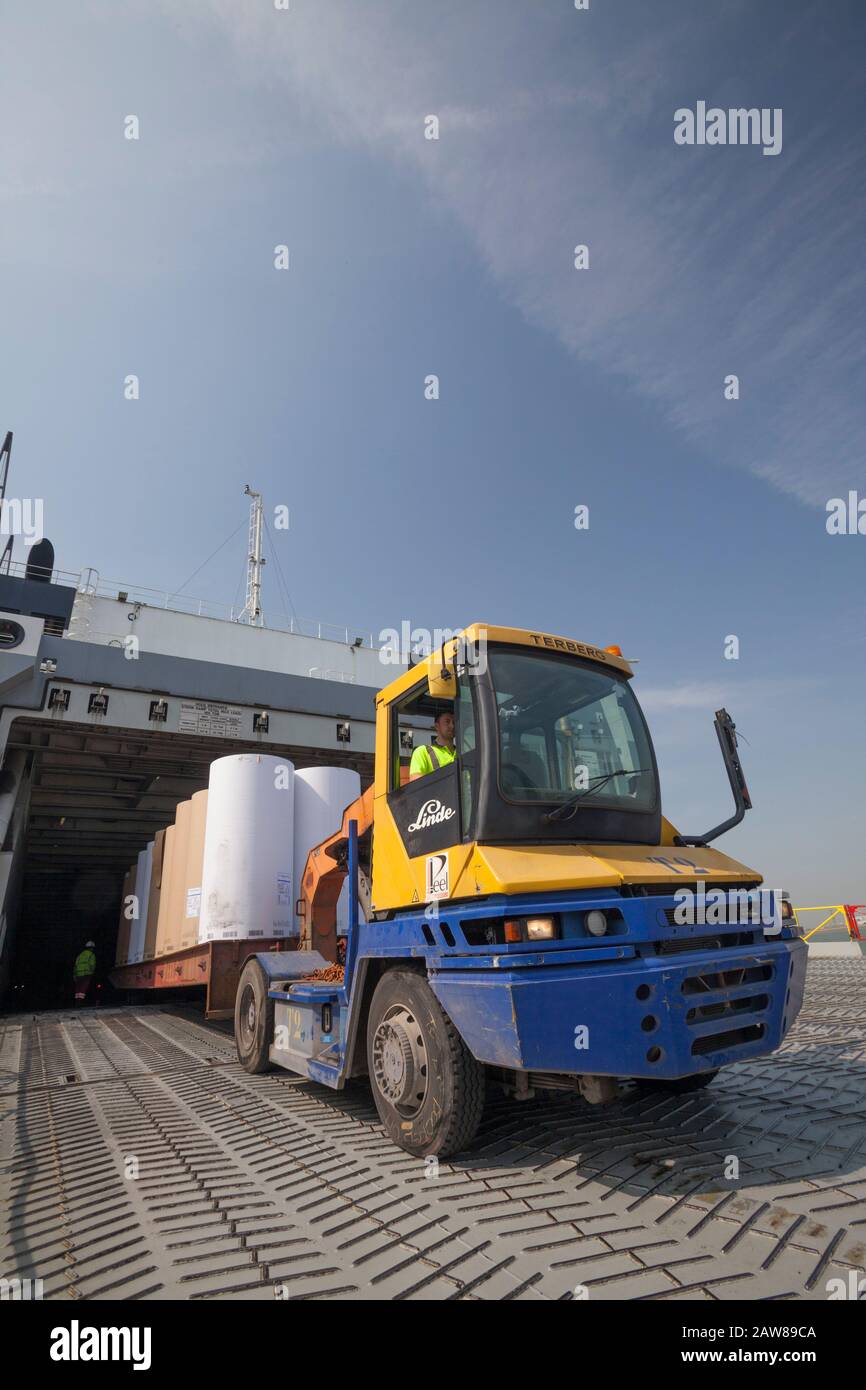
321 796
248 887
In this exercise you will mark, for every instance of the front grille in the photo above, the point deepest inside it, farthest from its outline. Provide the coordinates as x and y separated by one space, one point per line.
712 981
678 945
752 917
723 1042
705 1013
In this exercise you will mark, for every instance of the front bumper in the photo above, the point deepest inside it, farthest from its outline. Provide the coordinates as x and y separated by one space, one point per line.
662 1017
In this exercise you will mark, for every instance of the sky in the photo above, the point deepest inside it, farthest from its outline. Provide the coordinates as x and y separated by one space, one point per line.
559 387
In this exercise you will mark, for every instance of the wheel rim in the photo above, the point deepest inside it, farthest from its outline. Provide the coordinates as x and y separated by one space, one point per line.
400 1061
248 1015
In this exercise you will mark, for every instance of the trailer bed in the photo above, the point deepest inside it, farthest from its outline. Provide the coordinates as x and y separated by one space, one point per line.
216 965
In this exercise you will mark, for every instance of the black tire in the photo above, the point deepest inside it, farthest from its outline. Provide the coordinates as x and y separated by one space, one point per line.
682 1085
428 1088
254 1019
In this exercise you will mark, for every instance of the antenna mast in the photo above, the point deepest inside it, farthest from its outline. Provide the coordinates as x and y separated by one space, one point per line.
252 611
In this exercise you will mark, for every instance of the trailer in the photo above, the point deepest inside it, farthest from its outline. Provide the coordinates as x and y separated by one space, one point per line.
214 965
532 919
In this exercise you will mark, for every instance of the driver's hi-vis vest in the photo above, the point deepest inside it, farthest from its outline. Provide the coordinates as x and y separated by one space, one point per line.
429 758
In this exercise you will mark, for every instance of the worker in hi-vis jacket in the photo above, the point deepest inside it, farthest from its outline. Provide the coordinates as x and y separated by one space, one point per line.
439 753
83 971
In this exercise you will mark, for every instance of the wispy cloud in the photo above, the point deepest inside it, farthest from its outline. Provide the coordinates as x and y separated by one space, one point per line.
708 696
702 696
549 139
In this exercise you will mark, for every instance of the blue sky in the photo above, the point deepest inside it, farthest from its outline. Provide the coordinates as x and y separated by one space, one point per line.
558 387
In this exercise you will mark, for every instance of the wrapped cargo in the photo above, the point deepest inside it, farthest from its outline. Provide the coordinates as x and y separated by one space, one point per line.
172 899
142 893
125 922
194 862
166 934
155 891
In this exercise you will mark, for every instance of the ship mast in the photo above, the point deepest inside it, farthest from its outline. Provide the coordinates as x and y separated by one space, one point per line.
252 611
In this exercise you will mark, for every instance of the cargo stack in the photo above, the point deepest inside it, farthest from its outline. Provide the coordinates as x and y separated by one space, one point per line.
165 935
142 893
191 892
151 923
171 907
229 867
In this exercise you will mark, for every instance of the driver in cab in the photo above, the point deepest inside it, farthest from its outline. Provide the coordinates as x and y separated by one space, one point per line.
430 757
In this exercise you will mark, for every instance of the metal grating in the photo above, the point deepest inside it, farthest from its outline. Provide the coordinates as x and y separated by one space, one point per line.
139 1161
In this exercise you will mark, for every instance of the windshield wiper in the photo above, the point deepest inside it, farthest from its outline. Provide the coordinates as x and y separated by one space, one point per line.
571 806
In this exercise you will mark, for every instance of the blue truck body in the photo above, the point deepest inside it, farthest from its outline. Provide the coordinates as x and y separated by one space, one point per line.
652 999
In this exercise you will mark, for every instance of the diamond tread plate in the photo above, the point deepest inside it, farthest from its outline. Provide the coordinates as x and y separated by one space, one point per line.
140 1161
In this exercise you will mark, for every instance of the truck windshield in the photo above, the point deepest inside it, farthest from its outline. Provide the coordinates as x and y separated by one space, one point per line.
568 729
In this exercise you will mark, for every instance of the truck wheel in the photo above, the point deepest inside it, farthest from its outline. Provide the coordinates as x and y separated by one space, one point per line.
254 1019
682 1085
428 1088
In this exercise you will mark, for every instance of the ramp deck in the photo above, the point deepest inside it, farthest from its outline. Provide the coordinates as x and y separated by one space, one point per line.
139 1161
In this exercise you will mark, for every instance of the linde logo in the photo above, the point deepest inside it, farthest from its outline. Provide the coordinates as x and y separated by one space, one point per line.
736 126
431 813
77 1343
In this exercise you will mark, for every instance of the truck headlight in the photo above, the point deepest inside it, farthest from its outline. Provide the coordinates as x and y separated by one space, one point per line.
531 929
540 928
596 922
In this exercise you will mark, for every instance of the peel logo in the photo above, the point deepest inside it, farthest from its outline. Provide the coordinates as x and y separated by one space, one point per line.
431 813
77 1343
437 876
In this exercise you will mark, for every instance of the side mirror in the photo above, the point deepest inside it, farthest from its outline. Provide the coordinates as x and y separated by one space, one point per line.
726 732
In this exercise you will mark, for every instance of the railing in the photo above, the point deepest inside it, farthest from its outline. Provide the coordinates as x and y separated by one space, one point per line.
89 583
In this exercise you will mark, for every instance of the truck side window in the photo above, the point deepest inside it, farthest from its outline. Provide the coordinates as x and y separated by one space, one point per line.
466 748
411 725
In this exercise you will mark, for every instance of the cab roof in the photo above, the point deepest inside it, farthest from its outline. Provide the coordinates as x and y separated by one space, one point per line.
512 636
